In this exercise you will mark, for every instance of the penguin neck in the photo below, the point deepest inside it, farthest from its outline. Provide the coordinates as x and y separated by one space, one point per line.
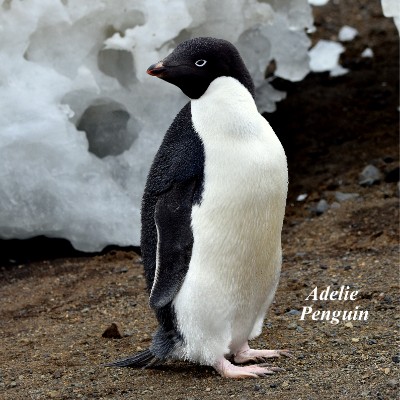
228 90
226 107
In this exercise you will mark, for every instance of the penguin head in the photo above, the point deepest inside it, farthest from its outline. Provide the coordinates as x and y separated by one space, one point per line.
195 63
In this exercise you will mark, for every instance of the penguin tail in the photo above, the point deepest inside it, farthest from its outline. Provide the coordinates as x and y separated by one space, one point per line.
144 359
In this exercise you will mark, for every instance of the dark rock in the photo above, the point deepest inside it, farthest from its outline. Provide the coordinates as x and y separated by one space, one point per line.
369 176
387 299
376 234
321 207
388 159
340 196
393 383
273 385
396 358
335 205
112 332
292 325
371 341
393 175
120 270
57 375
293 312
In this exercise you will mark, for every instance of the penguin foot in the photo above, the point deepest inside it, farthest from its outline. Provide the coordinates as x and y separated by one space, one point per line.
246 354
228 370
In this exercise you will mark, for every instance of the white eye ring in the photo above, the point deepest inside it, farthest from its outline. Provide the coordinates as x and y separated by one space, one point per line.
200 63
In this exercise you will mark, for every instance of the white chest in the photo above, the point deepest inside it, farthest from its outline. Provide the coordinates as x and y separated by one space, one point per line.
245 177
245 164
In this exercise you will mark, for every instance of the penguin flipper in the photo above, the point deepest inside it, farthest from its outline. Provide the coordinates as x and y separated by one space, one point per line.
174 241
144 359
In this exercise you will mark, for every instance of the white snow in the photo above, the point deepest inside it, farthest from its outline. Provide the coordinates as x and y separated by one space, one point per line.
367 53
338 70
347 33
391 9
80 121
324 56
318 2
301 197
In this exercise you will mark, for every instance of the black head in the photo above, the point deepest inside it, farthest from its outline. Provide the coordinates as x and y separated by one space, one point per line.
195 63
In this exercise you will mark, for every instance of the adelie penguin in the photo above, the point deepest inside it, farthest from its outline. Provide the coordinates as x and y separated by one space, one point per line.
212 216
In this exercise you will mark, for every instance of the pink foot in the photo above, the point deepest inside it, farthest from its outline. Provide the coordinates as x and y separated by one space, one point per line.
246 354
228 370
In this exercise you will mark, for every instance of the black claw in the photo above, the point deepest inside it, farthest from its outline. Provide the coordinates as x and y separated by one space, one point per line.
285 353
278 369
264 374
266 365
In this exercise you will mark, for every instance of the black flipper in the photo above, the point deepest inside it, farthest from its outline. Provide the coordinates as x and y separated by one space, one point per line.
174 241
179 161
144 359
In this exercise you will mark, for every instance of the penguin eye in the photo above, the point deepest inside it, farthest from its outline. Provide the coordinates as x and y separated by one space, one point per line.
200 63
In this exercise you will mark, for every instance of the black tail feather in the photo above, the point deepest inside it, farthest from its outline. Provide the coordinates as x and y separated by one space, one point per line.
143 359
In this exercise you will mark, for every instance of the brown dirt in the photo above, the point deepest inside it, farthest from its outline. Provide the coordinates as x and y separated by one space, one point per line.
54 312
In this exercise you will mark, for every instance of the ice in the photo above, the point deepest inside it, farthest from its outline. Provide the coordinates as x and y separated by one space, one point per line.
347 33
324 56
318 2
80 120
338 70
367 53
391 8
301 197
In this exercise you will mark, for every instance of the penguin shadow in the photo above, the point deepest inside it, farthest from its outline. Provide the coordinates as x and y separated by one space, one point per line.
181 368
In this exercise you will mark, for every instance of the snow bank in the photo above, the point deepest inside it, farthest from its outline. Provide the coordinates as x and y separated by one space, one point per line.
347 33
391 9
324 56
80 120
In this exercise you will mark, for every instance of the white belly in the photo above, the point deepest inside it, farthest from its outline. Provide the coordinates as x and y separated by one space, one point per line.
236 257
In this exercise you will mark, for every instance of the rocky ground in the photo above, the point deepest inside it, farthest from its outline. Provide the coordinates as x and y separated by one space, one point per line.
54 311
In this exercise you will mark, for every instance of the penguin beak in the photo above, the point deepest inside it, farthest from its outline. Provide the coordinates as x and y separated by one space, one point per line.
156 69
